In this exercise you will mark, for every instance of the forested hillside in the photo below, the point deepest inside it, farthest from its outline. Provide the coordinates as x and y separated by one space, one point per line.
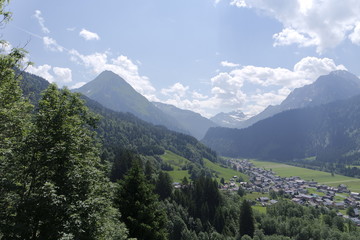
119 130
330 133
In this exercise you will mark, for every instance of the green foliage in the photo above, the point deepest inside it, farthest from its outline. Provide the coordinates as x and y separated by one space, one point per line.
58 188
163 185
246 220
139 206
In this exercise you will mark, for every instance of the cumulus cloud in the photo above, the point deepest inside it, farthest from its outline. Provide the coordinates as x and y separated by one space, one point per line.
324 24
176 89
63 74
264 86
228 64
57 75
355 35
121 65
290 36
41 21
52 45
87 35
78 85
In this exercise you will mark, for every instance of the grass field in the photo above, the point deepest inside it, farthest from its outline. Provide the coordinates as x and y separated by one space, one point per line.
178 175
260 209
285 170
222 172
177 162
174 160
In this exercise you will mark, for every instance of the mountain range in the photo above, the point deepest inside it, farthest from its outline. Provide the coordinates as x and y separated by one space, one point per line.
310 128
194 123
119 130
230 119
318 120
115 93
328 88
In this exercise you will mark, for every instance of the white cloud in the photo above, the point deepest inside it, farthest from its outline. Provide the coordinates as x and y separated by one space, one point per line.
52 45
121 65
289 36
42 71
238 3
228 64
78 85
63 74
58 75
324 24
176 89
264 86
41 21
87 35
355 35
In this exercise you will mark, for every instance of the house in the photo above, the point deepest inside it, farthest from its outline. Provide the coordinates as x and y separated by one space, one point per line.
339 205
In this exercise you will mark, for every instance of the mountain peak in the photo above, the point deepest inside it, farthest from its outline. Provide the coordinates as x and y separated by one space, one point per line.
230 119
113 92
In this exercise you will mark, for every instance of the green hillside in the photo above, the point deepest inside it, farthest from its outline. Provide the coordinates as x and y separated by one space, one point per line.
178 163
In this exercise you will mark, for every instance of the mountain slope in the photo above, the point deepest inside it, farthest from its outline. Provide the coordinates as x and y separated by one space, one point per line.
231 119
194 123
125 131
113 92
328 132
335 86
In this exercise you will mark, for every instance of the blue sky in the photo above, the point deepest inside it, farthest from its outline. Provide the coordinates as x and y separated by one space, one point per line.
208 56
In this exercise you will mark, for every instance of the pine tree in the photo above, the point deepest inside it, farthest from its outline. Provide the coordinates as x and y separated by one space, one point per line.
163 185
246 221
139 206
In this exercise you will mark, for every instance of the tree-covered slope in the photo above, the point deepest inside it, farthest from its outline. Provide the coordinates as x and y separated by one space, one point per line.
119 130
329 132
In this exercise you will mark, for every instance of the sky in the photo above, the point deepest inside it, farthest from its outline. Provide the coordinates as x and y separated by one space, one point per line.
208 56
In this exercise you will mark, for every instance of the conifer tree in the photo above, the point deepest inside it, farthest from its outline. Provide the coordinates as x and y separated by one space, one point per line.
139 207
246 221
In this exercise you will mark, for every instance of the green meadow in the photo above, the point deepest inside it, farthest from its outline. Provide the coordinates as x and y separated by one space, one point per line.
284 170
177 162
223 172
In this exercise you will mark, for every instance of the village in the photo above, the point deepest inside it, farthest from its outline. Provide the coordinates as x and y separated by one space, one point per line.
303 192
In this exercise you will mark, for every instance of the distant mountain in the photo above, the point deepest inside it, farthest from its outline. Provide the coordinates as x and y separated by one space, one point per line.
232 119
194 123
119 130
328 132
335 86
115 93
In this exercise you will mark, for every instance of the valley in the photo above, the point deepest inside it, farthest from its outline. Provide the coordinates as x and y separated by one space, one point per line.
285 170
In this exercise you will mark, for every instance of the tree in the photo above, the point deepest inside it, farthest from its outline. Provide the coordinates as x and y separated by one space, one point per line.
139 206
63 190
14 127
241 191
122 163
163 185
246 221
350 211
